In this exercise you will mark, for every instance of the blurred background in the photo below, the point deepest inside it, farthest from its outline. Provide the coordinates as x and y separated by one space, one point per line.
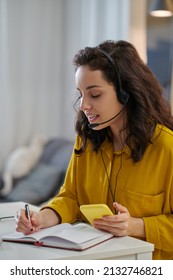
38 40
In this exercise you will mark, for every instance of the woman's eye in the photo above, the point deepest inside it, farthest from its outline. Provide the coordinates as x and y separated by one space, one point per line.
95 96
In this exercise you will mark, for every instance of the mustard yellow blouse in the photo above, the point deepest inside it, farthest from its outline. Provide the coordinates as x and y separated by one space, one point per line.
145 188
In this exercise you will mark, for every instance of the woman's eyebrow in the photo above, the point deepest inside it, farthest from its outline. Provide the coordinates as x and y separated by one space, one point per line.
93 86
90 87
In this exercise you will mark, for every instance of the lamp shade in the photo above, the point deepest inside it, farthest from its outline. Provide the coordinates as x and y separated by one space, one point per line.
161 8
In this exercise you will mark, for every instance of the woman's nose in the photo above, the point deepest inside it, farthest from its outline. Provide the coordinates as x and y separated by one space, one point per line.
84 104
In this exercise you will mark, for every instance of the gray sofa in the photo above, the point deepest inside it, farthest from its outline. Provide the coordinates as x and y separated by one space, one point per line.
45 179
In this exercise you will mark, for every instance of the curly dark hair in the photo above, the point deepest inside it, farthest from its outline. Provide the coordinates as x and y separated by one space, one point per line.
146 106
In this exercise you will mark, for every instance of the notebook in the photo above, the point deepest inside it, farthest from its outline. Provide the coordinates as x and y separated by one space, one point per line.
79 236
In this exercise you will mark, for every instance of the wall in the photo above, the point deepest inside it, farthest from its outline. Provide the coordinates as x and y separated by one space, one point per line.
38 39
160 50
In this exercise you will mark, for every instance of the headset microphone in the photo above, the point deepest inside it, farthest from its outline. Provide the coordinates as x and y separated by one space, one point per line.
92 125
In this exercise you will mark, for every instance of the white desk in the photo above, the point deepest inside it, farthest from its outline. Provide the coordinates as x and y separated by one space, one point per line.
121 248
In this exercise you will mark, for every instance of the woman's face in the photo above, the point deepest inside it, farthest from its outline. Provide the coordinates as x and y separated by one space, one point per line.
98 98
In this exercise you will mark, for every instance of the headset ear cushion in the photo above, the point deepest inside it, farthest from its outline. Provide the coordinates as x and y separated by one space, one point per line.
124 96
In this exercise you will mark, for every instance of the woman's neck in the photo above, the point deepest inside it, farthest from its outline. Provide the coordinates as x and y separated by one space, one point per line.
118 133
119 137
118 144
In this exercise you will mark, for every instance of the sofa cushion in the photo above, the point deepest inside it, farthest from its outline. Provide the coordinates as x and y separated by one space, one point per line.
42 183
47 176
57 152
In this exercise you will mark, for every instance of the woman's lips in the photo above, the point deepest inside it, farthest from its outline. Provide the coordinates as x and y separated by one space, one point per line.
92 118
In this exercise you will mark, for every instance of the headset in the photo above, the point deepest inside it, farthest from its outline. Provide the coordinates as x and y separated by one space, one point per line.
122 95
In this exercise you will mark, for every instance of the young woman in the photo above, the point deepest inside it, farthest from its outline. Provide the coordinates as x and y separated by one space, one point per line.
123 154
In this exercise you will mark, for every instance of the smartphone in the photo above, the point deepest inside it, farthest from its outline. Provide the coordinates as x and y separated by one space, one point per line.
95 211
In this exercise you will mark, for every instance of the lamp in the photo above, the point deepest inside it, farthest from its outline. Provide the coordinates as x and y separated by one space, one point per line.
161 8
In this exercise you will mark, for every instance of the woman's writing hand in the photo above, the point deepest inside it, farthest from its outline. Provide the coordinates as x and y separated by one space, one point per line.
43 219
26 226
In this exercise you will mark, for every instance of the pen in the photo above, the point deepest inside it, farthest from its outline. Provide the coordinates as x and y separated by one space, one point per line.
27 213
